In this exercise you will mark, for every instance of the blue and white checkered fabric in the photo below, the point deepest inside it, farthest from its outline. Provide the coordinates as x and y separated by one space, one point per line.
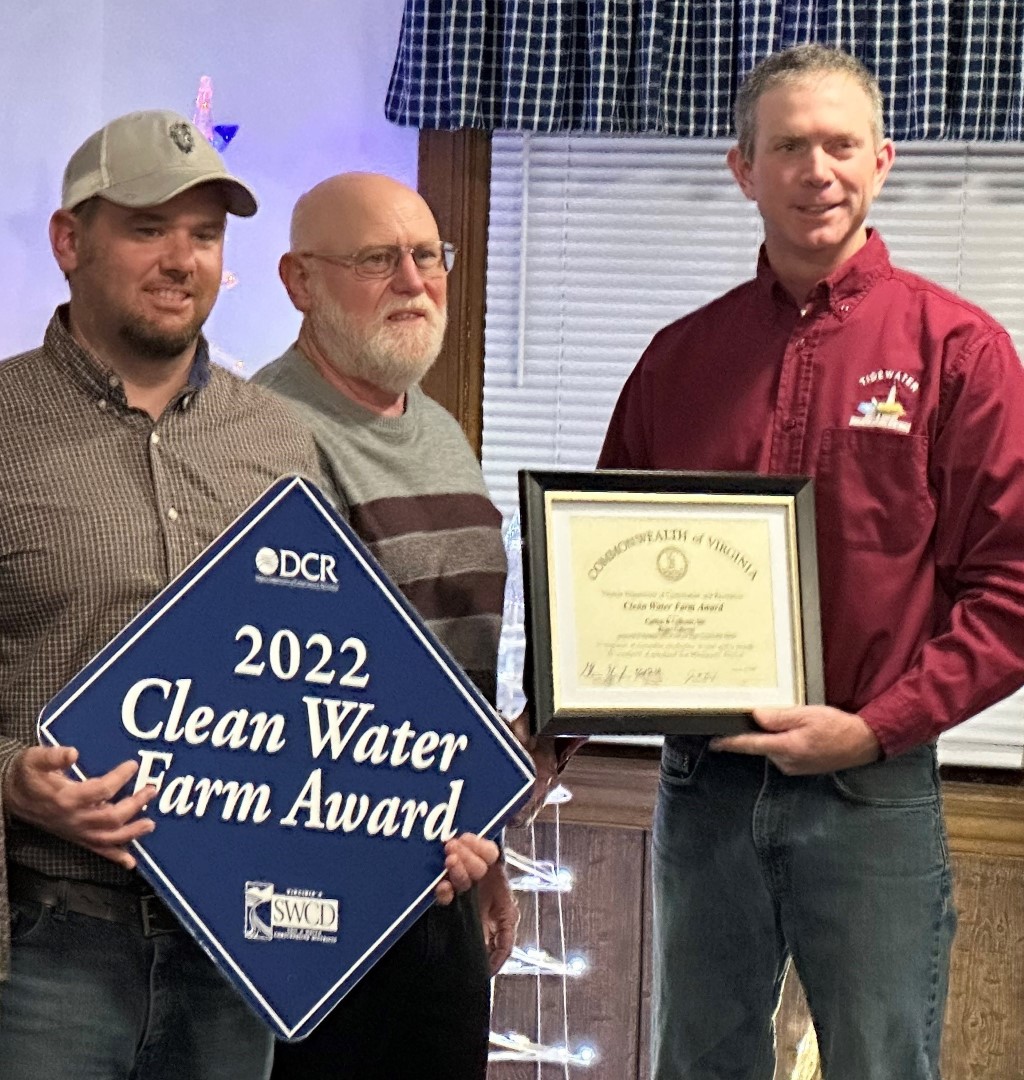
949 69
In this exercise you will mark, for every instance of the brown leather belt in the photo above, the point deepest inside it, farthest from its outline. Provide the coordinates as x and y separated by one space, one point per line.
142 911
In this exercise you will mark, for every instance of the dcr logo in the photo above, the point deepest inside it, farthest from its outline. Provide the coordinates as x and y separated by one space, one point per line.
282 563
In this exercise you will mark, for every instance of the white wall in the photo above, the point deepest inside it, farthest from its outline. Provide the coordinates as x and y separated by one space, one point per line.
304 79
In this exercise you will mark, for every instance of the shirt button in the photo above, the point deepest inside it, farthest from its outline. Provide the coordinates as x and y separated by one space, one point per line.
113 381
101 404
154 438
172 514
789 425
185 400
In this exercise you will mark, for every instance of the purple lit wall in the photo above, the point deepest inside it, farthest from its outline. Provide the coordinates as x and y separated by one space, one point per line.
304 79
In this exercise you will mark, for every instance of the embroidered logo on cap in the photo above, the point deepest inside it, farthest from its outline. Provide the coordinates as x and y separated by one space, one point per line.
181 135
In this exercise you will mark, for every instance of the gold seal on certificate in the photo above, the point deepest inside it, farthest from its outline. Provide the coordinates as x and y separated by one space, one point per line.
668 602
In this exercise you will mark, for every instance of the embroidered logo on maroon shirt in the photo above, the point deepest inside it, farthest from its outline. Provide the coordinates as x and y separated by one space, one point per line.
886 407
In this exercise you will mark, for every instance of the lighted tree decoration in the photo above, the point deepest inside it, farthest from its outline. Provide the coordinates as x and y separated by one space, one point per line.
218 136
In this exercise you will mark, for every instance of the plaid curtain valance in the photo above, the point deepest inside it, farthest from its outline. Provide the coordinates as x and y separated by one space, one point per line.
949 69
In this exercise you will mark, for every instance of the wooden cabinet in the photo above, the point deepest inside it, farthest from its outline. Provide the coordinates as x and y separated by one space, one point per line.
604 839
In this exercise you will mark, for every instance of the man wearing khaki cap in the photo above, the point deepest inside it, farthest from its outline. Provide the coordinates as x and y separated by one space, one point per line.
125 452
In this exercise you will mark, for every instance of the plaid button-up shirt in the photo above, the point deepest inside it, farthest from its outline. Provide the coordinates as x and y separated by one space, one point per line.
100 506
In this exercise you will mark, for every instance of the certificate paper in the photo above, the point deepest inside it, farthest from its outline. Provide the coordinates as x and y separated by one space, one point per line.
664 602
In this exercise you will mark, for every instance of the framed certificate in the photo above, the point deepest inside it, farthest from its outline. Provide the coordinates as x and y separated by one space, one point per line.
668 602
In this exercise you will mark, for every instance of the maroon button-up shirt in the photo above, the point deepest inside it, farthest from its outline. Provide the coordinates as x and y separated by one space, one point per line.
906 405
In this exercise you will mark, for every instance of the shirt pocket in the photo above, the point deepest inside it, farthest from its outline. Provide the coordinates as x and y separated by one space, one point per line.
871 490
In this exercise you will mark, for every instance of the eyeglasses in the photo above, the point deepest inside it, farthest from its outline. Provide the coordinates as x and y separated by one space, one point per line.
432 259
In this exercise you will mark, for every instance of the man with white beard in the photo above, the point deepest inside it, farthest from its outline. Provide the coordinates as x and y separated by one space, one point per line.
368 271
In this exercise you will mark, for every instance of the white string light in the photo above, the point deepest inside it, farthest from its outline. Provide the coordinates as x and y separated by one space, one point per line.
557 795
534 875
515 1047
561 942
534 961
543 876
538 875
537 995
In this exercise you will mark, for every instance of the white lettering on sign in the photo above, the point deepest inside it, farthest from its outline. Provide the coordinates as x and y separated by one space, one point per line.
236 729
287 655
283 563
301 913
337 812
158 709
192 795
330 725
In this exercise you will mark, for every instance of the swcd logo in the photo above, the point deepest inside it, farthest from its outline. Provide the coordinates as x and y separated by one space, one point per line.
281 566
295 914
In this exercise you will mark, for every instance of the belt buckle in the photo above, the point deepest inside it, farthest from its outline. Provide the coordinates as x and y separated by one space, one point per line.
156 918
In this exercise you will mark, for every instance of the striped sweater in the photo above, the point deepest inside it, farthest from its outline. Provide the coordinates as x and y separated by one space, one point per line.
412 489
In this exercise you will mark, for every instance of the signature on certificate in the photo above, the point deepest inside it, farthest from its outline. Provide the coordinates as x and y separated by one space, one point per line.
620 674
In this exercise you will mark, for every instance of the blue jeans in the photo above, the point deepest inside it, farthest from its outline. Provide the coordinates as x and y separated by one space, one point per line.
845 873
97 1000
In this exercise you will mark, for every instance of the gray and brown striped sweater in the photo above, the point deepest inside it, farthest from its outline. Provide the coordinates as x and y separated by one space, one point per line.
412 489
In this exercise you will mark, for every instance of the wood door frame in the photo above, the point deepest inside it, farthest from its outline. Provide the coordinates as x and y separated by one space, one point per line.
455 179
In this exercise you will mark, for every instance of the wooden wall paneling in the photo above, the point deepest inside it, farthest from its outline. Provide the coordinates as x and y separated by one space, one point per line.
611 786
983 1031
791 1025
984 819
603 918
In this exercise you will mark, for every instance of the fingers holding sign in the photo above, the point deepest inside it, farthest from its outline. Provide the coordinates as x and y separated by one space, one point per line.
467 859
38 790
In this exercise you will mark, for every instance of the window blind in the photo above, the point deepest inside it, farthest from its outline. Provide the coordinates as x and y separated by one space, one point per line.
596 242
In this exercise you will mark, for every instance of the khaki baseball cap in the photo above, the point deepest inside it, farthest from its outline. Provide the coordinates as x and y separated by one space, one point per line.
145 159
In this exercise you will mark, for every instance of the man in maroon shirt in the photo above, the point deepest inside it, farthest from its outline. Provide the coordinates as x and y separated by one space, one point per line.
820 837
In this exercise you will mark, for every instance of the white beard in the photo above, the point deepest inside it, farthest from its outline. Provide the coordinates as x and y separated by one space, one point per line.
389 355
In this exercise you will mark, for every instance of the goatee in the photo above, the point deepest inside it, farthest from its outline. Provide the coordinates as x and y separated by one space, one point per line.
154 344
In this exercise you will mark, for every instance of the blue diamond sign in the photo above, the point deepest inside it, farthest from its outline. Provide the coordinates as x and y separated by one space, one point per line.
312 744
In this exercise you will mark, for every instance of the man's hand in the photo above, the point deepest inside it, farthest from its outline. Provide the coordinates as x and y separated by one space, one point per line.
499 916
545 760
807 739
38 791
467 859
